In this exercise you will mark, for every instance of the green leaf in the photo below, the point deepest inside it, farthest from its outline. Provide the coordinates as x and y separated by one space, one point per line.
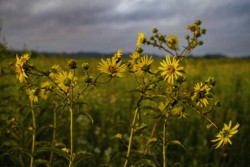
177 142
83 155
55 150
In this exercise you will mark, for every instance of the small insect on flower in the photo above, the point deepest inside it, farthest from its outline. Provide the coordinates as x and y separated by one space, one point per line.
223 137
20 70
171 70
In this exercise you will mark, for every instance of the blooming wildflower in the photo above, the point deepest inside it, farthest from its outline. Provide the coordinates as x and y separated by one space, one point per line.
55 69
44 89
173 42
112 67
142 65
201 94
20 71
65 80
140 39
33 94
134 58
117 56
223 137
171 69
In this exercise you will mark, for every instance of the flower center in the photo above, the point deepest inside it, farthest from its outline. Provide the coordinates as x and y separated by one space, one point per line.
112 69
170 70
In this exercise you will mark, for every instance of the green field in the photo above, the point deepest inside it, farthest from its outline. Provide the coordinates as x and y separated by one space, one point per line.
111 107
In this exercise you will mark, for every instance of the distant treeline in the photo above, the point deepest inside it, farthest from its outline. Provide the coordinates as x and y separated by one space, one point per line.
102 55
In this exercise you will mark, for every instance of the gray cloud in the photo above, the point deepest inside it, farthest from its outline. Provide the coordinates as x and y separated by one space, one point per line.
98 25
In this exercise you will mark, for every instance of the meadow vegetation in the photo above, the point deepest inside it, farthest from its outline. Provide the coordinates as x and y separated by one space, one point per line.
130 114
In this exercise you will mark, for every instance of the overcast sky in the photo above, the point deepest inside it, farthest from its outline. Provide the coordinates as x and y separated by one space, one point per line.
107 25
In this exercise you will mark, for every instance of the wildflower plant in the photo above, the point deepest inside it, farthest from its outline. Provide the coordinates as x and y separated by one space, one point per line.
161 91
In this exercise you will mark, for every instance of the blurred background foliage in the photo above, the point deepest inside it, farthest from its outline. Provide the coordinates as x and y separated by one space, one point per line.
111 108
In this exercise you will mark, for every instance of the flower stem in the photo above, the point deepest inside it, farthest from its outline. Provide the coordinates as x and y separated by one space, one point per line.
71 136
33 135
53 136
132 130
164 144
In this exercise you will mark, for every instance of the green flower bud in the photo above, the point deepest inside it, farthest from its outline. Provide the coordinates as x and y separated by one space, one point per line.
87 79
187 37
217 104
203 31
139 50
201 42
198 22
151 38
85 66
154 30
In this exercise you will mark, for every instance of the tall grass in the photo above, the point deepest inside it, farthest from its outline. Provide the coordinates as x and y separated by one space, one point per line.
110 107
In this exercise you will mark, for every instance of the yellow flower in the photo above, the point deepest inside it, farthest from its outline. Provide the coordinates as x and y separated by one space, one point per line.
143 65
20 71
112 68
201 94
223 137
44 89
140 39
171 69
55 69
33 94
117 56
65 80
173 42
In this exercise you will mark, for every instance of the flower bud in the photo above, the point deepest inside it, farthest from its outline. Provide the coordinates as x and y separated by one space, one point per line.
151 38
187 37
72 64
87 79
203 31
85 66
217 104
201 43
198 22
154 30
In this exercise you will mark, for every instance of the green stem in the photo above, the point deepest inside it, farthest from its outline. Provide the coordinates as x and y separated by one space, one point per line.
164 144
53 136
33 135
131 137
71 136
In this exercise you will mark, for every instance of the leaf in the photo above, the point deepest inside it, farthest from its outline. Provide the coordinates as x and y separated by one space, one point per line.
55 150
177 142
41 161
83 155
138 129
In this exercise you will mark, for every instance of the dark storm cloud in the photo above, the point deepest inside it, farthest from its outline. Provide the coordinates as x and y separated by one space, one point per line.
102 25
